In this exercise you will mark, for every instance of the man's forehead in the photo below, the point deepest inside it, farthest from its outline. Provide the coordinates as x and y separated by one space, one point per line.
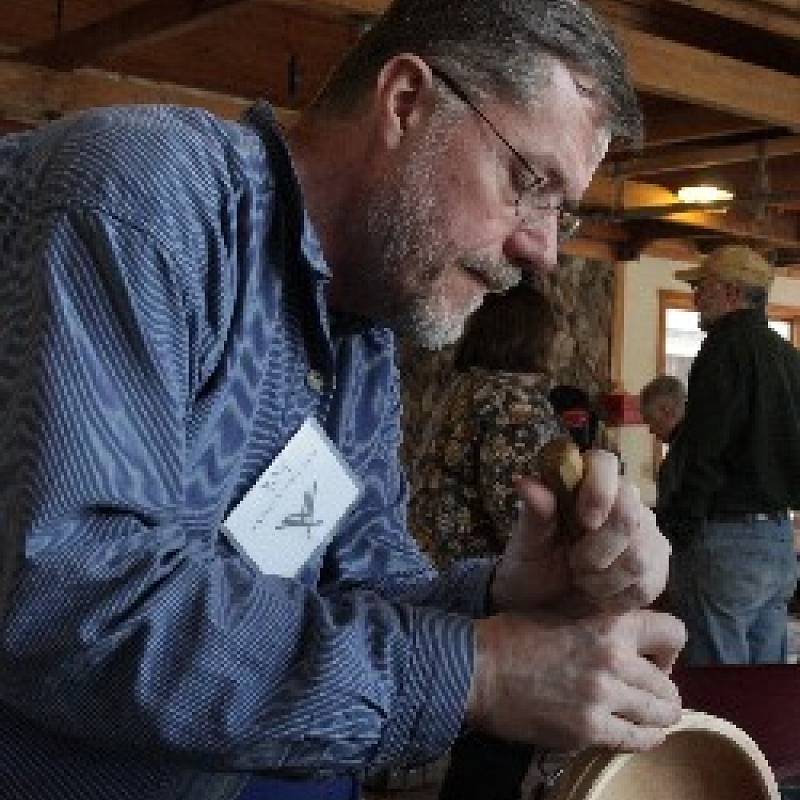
559 128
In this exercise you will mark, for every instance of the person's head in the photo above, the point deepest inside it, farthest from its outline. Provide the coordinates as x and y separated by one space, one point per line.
510 332
662 403
730 278
466 127
577 412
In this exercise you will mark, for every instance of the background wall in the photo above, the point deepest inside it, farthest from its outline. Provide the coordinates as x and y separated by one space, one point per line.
585 291
642 281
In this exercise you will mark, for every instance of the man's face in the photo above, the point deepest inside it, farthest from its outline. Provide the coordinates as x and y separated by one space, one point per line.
442 225
713 299
661 416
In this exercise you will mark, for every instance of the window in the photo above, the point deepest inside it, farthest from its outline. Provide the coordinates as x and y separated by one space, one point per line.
682 339
680 336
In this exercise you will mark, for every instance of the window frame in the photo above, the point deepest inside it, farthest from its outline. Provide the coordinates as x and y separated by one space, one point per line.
671 299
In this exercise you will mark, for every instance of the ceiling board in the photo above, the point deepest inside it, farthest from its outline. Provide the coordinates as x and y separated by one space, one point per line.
715 75
783 176
34 94
711 79
128 24
672 121
23 24
701 158
767 16
79 13
698 28
270 42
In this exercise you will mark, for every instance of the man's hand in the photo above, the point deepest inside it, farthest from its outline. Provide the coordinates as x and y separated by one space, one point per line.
567 684
618 562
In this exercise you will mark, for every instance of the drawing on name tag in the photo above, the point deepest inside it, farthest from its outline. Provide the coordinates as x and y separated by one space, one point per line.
291 512
305 517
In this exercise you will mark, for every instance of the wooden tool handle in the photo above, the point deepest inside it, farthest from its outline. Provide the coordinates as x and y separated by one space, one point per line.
561 470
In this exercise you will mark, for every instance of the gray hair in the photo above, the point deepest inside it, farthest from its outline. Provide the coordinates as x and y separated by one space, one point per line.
499 48
662 386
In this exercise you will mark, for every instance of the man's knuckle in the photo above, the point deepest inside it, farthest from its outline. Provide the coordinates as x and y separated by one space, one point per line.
640 594
617 627
615 661
637 561
596 724
600 687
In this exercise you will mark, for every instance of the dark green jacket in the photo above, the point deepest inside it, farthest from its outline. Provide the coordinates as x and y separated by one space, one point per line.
739 446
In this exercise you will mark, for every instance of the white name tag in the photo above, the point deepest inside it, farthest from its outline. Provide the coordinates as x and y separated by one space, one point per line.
295 505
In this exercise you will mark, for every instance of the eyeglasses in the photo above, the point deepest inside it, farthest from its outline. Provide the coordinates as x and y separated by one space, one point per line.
530 201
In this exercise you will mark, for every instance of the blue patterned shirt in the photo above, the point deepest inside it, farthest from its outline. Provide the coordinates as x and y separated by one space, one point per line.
163 334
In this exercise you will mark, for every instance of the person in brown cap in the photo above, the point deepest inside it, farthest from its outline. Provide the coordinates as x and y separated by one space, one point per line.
737 469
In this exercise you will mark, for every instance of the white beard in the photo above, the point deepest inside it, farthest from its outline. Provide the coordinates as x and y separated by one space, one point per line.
410 254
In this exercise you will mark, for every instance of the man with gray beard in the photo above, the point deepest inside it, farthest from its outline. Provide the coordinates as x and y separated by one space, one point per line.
207 585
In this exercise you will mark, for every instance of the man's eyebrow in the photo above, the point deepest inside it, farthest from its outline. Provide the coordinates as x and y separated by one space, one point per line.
552 175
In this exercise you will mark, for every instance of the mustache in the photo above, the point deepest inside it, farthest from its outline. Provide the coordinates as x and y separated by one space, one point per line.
499 276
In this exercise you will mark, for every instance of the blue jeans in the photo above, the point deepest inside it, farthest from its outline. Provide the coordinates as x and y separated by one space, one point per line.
731 585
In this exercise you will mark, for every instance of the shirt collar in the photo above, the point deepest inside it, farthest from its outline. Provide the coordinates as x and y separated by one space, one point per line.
743 316
261 117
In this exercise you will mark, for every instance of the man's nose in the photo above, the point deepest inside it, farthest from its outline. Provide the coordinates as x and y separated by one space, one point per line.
534 246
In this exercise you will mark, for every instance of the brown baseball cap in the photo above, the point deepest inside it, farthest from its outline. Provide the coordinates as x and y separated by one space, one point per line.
733 263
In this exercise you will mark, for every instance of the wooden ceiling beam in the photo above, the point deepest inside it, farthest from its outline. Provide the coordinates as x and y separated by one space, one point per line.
670 122
131 26
778 18
626 196
694 75
32 95
788 5
603 192
153 19
708 79
702 158
775 230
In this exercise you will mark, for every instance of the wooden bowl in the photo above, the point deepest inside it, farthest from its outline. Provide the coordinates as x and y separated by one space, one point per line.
703 758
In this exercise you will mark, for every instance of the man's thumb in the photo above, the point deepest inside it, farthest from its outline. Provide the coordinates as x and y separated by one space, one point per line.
537 502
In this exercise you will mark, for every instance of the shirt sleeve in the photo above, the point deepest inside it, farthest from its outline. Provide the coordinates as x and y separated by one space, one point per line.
127 627
375 553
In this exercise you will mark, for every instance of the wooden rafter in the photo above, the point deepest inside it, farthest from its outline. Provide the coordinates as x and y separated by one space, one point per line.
33 95
131 26
694 75
682 123
626 196
30 94
788 5
698 76
776 231
152 19
782 19
704 157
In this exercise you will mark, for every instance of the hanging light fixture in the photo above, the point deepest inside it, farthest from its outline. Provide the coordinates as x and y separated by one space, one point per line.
703 193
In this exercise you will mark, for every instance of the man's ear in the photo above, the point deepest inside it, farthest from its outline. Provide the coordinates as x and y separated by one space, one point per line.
403 97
